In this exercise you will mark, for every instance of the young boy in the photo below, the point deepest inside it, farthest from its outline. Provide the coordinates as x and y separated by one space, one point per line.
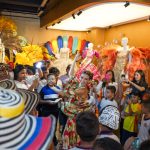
87 127
144 132
109 122
109 100
49 100
132 114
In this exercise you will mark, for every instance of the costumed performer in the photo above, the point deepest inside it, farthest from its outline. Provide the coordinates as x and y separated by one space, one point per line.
78 99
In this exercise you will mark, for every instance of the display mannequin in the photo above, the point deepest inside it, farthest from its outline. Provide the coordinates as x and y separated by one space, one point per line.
87 64
63 59
122 58
2 52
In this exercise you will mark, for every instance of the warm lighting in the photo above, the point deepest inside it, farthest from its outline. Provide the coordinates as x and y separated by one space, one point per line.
148 19
104 16
52 25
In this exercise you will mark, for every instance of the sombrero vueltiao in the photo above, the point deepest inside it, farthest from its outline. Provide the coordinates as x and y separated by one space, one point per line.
19 131
30 98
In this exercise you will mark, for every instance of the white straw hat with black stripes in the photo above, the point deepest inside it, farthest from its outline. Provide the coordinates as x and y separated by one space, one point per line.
31 99
19 130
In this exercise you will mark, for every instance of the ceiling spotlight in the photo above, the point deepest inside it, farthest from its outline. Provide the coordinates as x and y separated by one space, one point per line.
59 22
126 4
73 15
53 24
148 19
79 13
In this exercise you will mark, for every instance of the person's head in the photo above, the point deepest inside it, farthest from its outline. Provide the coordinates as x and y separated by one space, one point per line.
135 97
68 69
123 76
145 145
107 144
139 76
146 103
109 117
30 70
110 92
51 79
85 77
55 71
45 72
110 76
20 73
87 126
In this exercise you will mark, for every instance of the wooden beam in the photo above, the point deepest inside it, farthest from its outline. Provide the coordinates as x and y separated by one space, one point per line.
66 7
20 3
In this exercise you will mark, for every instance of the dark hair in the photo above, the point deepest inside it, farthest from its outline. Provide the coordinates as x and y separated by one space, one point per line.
123 75
17 69
107 144
146 100
142 81
54 70
145 145
68 67
111 88
87 126
30 69
90 74
113 75
135 94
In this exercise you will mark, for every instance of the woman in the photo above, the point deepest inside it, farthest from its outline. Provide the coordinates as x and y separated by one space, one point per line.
78 100
138 84
107 81
20 74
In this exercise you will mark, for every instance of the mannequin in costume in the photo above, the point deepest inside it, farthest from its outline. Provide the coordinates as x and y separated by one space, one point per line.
2 52
122 55
63 59
87 63
107 60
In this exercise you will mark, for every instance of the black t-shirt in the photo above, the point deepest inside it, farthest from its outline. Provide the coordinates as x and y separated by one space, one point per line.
135 90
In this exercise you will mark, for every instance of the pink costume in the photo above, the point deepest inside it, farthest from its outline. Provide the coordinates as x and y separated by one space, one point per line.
87 64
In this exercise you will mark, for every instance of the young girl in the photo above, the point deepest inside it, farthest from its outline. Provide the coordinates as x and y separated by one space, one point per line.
107 81
138 84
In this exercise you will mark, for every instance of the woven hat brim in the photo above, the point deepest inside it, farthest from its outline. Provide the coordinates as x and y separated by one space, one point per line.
35 133
30 98
8 84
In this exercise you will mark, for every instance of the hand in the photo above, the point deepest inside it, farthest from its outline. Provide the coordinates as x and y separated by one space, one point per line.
35 83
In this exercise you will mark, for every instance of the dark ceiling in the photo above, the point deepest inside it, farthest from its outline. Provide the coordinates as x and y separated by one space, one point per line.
27 6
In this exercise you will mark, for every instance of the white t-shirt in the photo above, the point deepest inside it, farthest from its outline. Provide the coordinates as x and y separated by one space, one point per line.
42 83
143 132
22 85
105 102
99 87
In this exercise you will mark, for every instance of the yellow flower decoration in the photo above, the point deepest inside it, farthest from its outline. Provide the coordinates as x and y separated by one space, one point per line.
7 24
30 54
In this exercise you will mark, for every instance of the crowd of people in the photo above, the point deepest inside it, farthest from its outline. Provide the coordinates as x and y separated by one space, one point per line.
89 114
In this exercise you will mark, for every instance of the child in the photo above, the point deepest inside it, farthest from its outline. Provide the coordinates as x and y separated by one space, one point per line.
109 122
109 100
145 123
144 132
132 113
87 127
49 97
